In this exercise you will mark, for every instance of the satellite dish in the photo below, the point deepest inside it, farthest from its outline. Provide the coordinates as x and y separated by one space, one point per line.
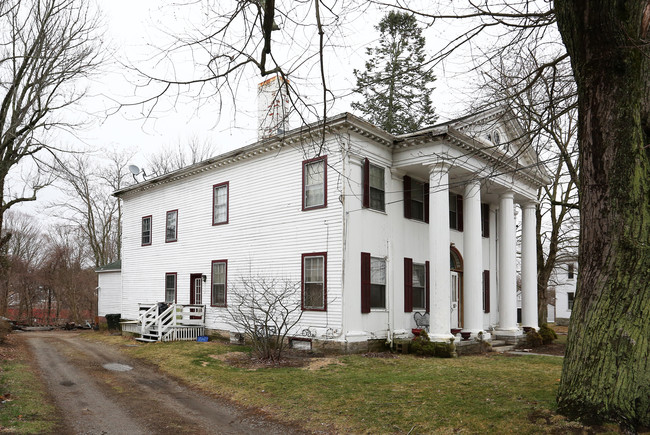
136 171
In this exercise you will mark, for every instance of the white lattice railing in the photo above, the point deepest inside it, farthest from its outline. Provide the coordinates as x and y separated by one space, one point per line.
169 323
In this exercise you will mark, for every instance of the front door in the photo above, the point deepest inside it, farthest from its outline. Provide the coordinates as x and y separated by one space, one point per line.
196 289
455 300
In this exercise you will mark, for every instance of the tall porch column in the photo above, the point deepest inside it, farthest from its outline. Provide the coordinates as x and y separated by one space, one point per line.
528 266
440 302
507 265
473 259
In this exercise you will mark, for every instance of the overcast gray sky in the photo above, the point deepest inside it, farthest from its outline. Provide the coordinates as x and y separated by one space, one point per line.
134 27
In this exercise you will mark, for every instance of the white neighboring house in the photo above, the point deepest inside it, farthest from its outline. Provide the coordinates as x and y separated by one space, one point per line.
377 228
109 289
566 278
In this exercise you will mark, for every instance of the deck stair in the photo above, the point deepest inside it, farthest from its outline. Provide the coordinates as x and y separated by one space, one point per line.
167 322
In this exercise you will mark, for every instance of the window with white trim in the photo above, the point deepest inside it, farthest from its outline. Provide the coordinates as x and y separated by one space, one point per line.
377 189
377 283
570 298
417 200
419 283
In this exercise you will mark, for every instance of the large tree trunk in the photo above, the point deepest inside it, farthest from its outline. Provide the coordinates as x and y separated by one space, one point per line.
606 375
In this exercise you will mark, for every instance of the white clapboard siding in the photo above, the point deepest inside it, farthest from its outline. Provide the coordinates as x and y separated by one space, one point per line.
266 234
109 293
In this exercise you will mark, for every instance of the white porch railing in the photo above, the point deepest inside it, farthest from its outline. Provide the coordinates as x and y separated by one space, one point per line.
168 322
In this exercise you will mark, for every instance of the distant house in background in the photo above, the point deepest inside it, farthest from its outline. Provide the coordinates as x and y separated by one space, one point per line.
566 278
109 289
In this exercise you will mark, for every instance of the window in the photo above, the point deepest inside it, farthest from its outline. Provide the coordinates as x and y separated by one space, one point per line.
570 297
373 186
416 286
496 137
373 282
146 231
486 291
170 226
220 204
416 199
377 283
219 280
314 281
456 212
570 271
485 220
314 183
170 288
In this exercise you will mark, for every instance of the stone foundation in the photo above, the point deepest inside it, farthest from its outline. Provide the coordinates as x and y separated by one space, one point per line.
561 321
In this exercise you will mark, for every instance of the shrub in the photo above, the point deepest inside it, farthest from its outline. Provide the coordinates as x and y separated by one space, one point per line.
547 334
422 345
5 329
533 339
113 321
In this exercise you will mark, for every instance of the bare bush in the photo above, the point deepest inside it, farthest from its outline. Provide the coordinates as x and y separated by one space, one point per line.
265 309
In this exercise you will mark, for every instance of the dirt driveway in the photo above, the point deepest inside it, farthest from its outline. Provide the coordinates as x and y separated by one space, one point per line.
101 391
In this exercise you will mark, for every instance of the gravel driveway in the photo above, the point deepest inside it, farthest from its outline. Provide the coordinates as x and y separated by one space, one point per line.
101 391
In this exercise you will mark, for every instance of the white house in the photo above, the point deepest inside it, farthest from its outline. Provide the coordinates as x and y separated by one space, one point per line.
376 228
566 277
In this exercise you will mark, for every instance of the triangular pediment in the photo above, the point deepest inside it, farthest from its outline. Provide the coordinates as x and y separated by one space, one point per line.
499 133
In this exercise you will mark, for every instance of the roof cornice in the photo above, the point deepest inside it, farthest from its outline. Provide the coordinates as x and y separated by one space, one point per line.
334 125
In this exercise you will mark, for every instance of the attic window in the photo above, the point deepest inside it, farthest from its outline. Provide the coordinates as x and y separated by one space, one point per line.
496 138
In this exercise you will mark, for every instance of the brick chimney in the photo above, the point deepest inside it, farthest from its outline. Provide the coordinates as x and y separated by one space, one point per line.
272 107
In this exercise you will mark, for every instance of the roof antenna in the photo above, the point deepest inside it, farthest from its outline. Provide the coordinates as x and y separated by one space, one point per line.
135 171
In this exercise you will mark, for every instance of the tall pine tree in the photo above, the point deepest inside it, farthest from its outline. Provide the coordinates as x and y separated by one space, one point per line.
396 85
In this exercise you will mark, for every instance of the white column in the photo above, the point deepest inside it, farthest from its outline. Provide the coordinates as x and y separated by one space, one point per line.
528 266
440 302
507 265
473 259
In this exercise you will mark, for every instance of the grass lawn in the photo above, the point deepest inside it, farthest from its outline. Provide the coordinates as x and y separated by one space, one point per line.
359 394
26 408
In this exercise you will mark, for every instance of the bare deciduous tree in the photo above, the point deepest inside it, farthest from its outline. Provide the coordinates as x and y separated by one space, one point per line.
45 46
265 309
89 203
24 256
183 154
66 272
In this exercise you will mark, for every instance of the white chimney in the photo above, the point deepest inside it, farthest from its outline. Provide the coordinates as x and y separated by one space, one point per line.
272 107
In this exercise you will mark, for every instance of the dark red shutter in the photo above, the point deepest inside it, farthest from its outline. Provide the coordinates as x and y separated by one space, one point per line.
486 290
407 197
426 202
485 218
365 282
459 208
408 285
366 183
427 286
